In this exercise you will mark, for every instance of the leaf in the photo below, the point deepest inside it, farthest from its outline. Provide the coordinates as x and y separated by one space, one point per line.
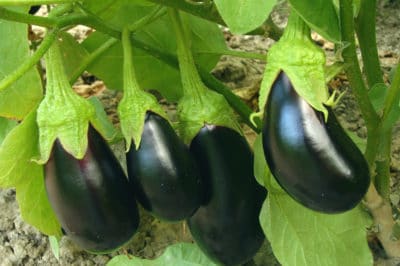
321 16
300 236
34 204
55 247
17 170
260 166
156 73
16 151
182 254
244 16
72 53
19 98
6 125
102 123
377 96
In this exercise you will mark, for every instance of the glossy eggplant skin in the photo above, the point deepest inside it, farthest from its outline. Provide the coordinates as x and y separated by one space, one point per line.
163 173
91 197
226 226
315 162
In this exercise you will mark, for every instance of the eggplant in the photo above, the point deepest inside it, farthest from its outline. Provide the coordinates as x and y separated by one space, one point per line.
226 227
163 173
91 197
314 161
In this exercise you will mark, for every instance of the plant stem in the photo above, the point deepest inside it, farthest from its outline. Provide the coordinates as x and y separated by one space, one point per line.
191 81
353 71
152 16
382 213
32 61
207 11
87 61
237 53
391 105
365 28
130 85
8 14
238 105
30 2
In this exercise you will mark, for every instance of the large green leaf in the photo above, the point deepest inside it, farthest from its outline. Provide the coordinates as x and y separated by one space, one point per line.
17 170
244 16
182 254
300 236
5 126
72 53
321 16
154 73
18 99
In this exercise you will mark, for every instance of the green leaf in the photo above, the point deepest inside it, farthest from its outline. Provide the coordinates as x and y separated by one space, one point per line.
377 96
182 254
300 236
156 73
72 53
244 16
55 247
16 151
17 170
102 123
34 204
6 125
321 16
17 100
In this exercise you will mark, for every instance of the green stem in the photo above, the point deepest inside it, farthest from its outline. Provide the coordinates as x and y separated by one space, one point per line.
391 105
238 105
28 64
130 85
151 17
236 53
7 14
87 61
353 72
57 80
30 2
296 28
365 27
191 81
382 165
207 11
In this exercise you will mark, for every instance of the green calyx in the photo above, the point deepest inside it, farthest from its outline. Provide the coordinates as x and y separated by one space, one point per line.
62 114
135 103
199 105
301 60
209 108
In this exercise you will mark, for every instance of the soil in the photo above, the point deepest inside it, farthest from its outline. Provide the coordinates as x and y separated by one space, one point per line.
21 244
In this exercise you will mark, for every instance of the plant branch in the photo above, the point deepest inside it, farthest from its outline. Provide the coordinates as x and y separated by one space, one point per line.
392 100
353 72
382 213
207 10
28 64
367 42
8 14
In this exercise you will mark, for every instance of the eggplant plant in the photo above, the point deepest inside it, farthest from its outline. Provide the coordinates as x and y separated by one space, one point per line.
306 184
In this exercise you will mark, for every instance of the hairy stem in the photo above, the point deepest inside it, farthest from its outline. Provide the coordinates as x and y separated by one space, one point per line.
365 28
382 213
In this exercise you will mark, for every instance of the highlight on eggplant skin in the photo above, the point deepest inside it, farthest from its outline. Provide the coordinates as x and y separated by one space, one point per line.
91 197
163 173
315 162
226 227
